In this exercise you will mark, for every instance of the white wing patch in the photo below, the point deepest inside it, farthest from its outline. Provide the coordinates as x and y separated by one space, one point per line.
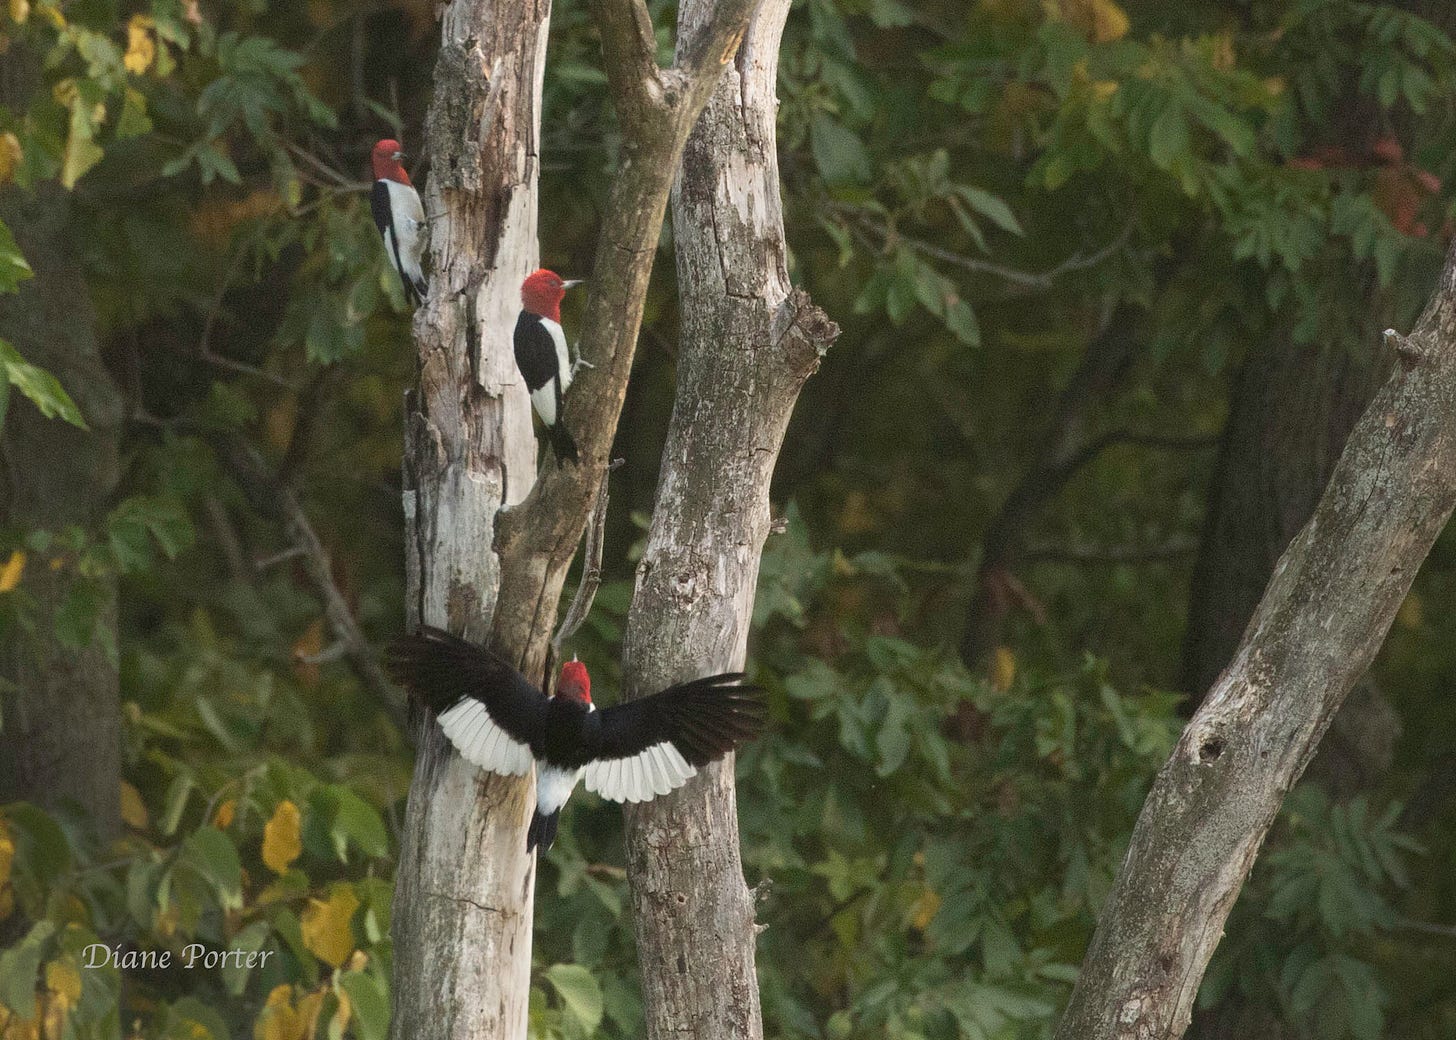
543 398
408 217
640 777
481 742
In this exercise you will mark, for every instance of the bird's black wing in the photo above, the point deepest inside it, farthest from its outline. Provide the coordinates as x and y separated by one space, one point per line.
493 715
650 746
379 206
383 211
535 352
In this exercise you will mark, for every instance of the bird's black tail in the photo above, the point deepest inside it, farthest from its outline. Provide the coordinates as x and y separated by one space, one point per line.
542 831
561 443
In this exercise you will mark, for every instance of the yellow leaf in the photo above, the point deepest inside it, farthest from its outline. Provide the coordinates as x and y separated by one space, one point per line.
141 45
1101 21
64 981
279 1019
13 568
223 818
282 842
327 932
1003 668
19 11
7 860
925 909
309 1006
10 156
133 812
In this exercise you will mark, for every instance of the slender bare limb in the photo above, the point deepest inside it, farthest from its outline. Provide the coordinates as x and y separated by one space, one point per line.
273 498
1325 613
591 570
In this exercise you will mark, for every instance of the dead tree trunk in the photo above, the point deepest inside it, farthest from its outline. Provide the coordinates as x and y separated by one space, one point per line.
463 898
1324 615
462 919
61 740
749 340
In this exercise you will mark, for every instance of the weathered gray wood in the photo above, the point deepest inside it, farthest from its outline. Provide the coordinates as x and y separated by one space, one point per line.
463 897
462 914
748 343
1323 617
657 108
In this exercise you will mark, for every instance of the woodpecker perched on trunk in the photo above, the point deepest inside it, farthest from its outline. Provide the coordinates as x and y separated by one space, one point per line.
543 357
630 752
399 217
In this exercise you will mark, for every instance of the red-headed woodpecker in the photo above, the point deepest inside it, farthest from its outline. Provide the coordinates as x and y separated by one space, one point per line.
543 357
631 752
399 217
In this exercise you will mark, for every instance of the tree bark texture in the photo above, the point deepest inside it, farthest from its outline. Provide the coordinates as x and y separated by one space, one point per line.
61 739
657 108
1326 611
463 896
462 921
749 341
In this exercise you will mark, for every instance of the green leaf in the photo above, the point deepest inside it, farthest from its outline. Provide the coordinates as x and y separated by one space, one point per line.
43 389
839 154
209 852
991 207
370 1003
13 268
579 992
20 967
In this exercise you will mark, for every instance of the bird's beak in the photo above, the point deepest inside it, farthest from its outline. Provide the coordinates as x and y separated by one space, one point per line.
572 281
398 156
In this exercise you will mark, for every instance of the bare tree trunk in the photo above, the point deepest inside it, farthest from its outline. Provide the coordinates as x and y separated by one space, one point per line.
61 740
1322 619
463 897
462 920
749 340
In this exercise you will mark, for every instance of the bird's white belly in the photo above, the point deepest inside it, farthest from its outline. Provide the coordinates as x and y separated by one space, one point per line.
554 787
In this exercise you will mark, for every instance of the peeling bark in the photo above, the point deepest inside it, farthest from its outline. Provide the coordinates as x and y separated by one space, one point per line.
749 341
1324 615
657 107
463 897
462 920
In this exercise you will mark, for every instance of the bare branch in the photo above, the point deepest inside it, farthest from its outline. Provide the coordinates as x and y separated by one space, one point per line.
1109 554
272 498
591 570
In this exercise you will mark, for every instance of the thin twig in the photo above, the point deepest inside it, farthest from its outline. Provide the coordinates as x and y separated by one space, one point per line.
271 497
1109 554
591 568
1030 281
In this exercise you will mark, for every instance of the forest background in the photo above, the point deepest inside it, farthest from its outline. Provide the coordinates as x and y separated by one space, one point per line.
1110 280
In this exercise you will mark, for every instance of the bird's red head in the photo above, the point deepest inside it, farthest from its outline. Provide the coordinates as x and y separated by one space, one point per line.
574 683
542 291
386 157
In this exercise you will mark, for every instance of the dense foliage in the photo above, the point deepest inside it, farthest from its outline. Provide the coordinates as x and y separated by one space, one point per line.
980 194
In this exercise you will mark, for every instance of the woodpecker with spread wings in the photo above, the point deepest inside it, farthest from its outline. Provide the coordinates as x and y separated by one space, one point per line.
632 752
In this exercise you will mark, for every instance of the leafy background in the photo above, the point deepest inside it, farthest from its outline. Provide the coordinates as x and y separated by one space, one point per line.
980 194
